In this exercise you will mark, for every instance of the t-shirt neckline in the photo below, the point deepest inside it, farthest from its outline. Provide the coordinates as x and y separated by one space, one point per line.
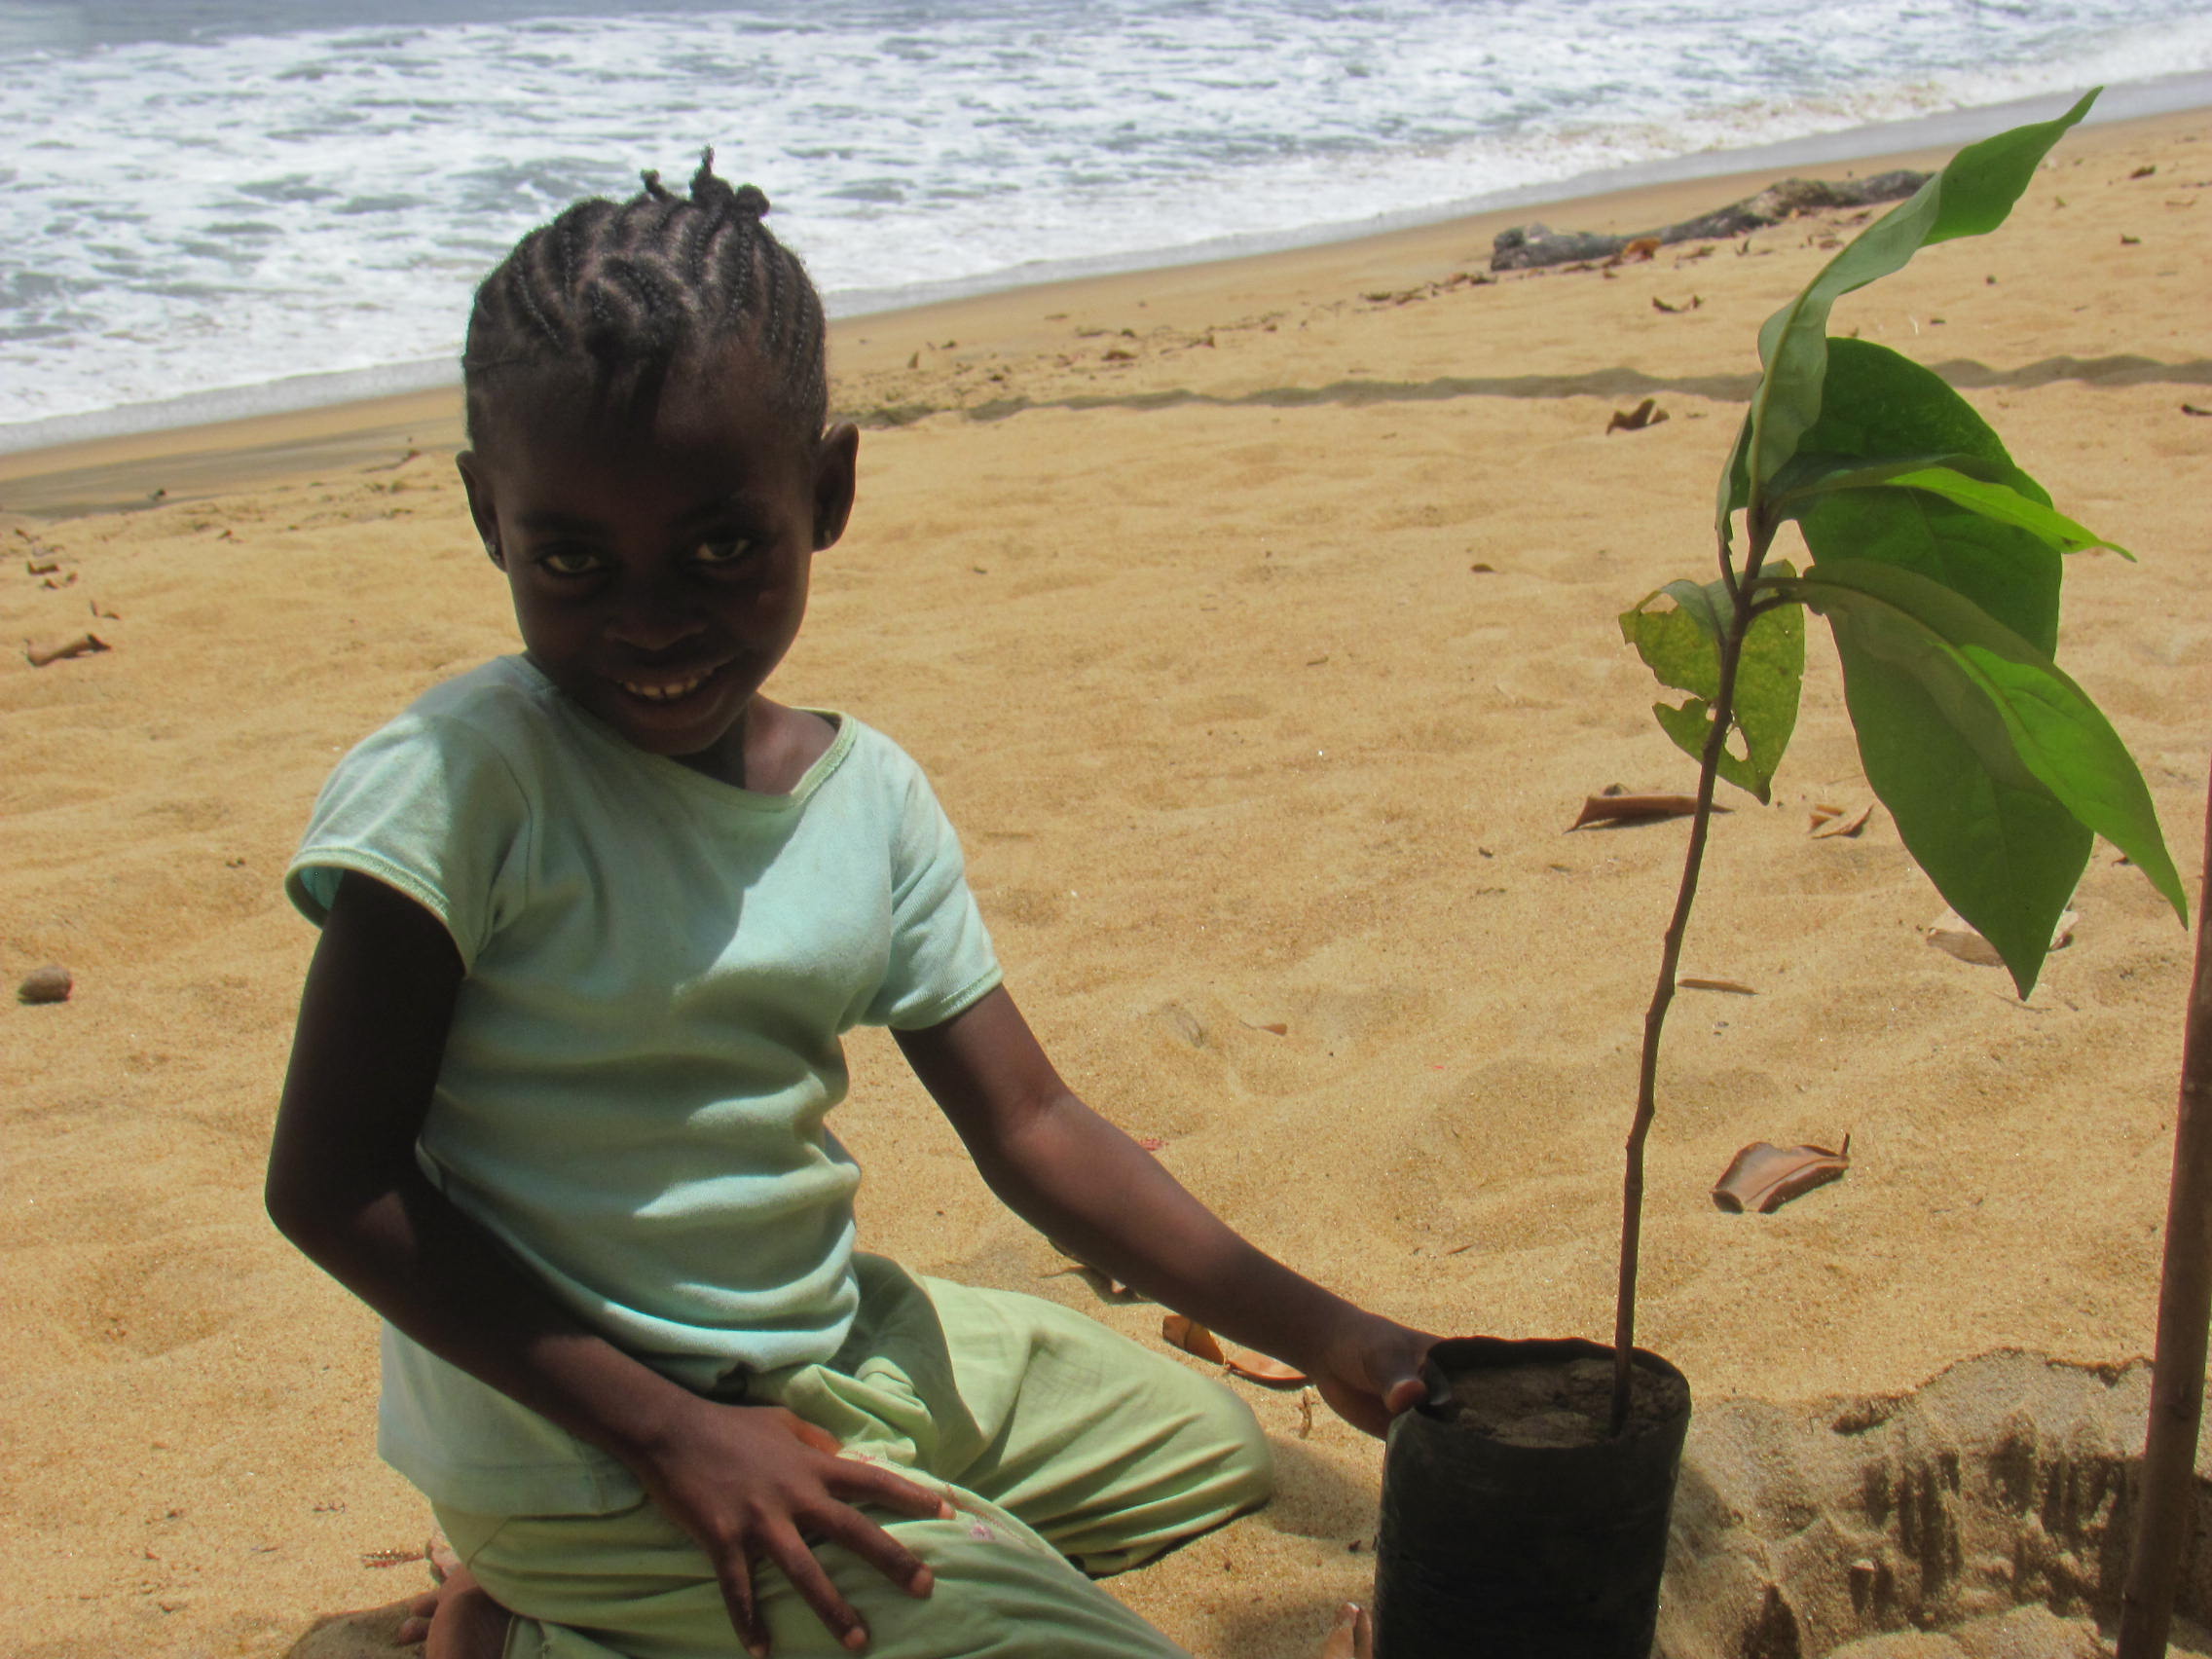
677 774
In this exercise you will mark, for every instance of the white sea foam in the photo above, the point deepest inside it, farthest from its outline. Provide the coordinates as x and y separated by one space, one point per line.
234 200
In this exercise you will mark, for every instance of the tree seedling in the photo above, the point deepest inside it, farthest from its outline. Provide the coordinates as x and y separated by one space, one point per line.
1936 562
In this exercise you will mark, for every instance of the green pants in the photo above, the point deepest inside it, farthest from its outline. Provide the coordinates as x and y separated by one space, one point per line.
1069 1452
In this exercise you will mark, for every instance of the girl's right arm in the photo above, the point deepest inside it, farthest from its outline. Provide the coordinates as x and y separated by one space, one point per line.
743 1481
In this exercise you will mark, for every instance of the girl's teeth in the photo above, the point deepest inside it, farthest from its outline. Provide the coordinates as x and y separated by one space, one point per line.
664 693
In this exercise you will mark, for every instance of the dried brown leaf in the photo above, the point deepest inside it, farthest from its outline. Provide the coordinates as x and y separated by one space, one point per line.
1842 824
1734 988
1644 413
1762 1177
1181 1331
84 645
1255 1367
1635 808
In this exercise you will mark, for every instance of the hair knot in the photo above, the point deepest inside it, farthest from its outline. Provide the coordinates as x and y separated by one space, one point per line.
718 196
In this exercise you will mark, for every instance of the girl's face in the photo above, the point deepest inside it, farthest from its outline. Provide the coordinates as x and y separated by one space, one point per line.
659 561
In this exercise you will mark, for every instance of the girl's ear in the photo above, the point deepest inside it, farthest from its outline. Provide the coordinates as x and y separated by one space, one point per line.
481 506
835 479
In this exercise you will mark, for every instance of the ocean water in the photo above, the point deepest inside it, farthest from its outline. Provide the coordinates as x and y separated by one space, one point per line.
250 204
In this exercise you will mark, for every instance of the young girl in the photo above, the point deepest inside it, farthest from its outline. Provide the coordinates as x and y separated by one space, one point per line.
594 919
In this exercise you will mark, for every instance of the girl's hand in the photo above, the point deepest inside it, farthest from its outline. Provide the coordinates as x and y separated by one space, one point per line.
756 1483
1367 1368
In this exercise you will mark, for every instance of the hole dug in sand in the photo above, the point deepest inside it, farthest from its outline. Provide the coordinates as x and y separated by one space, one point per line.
1986 1515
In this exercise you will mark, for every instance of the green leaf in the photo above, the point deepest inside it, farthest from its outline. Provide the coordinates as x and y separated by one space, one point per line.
1735 487
2004 857
1881 407
2006 506
1682 645
1996 765
1970 197
1809 474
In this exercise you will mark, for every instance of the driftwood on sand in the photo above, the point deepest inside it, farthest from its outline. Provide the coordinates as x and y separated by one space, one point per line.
1526 245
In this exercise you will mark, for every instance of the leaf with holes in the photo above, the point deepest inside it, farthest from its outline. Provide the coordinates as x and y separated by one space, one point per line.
1680 644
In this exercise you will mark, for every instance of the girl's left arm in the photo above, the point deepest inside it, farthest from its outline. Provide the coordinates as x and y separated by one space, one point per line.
1107 1201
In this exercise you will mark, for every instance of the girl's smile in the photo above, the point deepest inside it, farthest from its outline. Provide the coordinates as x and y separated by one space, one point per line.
658 555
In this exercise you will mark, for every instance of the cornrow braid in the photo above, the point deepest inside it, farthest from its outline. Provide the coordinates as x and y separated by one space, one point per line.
624 289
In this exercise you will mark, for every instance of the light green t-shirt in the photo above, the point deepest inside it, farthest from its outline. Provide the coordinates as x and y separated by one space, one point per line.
647 1041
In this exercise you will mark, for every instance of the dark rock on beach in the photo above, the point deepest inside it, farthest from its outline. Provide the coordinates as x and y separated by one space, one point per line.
46 985
1526 247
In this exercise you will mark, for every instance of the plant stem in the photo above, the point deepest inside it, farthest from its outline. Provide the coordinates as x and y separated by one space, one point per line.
1669 962
2185 1305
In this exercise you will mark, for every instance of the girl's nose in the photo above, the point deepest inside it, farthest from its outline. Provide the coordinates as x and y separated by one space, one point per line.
654 621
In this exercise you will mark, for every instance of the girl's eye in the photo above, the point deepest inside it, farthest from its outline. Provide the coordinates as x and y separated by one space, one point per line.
568 562
722 551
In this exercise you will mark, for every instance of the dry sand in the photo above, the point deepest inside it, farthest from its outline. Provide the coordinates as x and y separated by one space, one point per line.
1256 622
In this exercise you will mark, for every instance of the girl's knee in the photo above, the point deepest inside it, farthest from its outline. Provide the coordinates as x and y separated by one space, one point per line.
1221 1434
1247 1462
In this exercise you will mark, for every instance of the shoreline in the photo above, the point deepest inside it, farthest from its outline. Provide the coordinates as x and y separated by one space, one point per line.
388 387
189 463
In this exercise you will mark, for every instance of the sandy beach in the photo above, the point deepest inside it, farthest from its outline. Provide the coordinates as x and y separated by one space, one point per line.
1255 621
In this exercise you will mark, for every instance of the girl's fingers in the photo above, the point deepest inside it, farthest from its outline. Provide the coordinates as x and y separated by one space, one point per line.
853 1481
743 1607
415 1628
881 1551
1354 1636
1405 1394
812 1582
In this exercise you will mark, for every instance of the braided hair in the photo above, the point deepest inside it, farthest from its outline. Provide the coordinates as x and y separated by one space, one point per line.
622 291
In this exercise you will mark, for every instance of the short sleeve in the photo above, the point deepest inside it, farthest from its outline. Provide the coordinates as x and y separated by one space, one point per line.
942 958
426 806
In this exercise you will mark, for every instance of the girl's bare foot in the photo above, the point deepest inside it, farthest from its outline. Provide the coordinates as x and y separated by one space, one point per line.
458 1619
1354 1636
